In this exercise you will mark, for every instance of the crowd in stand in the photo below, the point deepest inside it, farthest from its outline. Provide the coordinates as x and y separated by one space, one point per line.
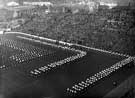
110 29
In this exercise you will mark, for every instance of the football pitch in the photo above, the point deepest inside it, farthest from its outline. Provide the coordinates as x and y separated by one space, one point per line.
32 67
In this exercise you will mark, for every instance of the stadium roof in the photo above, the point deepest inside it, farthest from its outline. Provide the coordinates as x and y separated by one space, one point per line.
12 3
38 3
110 5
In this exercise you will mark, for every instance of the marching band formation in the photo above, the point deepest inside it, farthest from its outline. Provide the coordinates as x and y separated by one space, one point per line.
96 77
28 52
79 54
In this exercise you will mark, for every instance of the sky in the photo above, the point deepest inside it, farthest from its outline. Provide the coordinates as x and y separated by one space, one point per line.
1 3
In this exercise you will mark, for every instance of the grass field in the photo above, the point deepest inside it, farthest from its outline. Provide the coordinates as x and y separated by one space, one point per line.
35 75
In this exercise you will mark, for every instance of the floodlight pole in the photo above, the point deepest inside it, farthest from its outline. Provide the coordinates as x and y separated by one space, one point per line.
0 53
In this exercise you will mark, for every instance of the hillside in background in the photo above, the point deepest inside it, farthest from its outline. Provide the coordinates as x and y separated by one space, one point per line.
120 2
